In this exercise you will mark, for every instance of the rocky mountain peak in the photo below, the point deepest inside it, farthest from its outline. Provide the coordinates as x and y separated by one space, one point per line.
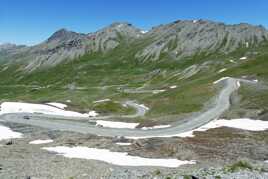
189 37
63 35
177 39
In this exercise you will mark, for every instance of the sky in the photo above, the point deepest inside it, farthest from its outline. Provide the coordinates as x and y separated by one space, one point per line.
33 21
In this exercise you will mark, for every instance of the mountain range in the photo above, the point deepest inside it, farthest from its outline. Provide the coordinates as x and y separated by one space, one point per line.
122 62
176 40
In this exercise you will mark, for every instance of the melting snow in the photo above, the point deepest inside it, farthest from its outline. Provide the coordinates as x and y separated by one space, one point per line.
172 87
158 91
144 31
245 124
156 127
122 143
243 58
116 158
221 79
17 107
112 124
222 70
144 107
7 133
59 105
92 114
102 100
41 141
232 61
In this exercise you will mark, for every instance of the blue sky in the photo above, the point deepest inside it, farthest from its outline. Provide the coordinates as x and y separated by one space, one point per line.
32 21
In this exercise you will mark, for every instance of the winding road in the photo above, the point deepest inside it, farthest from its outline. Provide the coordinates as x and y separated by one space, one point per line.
140 111
221 104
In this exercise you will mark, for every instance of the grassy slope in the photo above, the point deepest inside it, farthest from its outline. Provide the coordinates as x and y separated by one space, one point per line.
97 76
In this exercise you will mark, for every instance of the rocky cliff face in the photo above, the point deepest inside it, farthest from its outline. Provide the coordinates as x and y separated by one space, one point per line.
67 45
186 38
179 39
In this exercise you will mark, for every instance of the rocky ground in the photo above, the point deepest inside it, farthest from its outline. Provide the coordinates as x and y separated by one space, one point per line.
212 150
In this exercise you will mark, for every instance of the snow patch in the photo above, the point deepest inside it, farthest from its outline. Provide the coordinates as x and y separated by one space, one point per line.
158 91
59 105
144 31
116 158
222 70
143 106
39 141
244 123
195 21
232 61
172 87
243 58
156 127
112 124
123 144
92 114
221 79
102 100
7 133
18 107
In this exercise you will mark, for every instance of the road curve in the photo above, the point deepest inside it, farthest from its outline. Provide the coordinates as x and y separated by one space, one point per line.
222 103
140 111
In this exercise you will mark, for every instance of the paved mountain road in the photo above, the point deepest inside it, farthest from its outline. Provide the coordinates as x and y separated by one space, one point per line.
222 103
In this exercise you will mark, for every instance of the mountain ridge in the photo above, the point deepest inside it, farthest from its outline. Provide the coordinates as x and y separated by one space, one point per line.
178 39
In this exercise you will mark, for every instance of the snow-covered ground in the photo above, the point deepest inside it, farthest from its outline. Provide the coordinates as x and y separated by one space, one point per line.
59 105
102 100
158 91
92 114
244 124
156 127
123 143
39 141
243 58
144 31
18 107
112 124
221 79
232 61
116 158
7 133
222 70
143 106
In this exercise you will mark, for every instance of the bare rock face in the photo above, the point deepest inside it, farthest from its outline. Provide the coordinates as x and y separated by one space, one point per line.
186 38
109 37
63 35
178 39
67 45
